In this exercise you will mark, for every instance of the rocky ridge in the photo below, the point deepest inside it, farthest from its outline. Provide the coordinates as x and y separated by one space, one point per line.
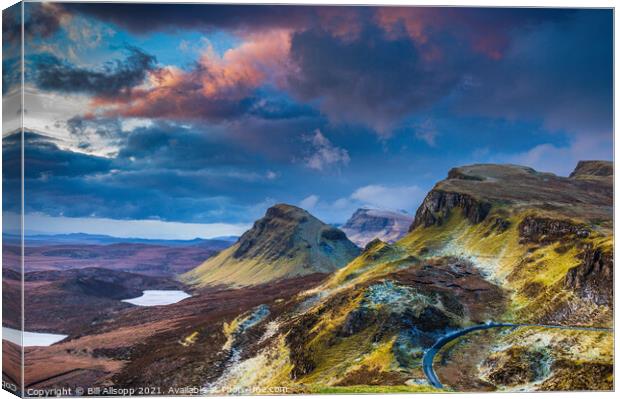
589 169
475 189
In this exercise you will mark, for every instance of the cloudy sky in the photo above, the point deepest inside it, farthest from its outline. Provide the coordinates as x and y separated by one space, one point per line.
208 114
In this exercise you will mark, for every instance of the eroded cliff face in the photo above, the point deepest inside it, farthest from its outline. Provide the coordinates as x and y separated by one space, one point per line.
593 168
438 205
546 230
474 189
593 279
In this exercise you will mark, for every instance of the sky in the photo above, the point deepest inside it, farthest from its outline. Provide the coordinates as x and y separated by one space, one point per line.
173 116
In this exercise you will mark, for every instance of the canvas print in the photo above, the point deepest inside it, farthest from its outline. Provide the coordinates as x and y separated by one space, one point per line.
277 199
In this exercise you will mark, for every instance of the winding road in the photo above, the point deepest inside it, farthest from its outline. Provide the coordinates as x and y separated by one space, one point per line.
429 355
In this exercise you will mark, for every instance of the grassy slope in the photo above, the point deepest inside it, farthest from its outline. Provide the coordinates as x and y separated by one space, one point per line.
224 269
288 243
531 274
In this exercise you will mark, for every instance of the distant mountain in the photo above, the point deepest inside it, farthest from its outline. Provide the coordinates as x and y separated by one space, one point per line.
368 224
100 239
286 242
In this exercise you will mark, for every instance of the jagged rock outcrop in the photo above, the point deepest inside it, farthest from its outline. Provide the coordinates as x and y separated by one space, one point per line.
438 204
288 241
544 219
516 365
593 168
593 279
545 230
474 189
368 224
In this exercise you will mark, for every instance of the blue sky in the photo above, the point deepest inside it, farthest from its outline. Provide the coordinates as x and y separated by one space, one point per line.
209 114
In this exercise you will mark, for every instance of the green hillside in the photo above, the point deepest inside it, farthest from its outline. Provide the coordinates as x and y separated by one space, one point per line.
286 242
490 243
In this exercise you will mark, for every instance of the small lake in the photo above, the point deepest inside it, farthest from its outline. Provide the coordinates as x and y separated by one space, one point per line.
158 297
31 338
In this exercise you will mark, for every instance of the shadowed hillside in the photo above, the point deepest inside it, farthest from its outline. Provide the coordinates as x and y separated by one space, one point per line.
286 242
497 243
526 256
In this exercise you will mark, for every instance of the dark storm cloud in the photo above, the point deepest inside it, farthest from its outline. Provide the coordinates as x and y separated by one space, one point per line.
561 74
43 158
372 66
168 146
11 48
169 194
241 142
552 66
160 145
143 18
344 71
82 128
114 78
277 140
486 31
164 171
373 79
137 196
11 25
41 20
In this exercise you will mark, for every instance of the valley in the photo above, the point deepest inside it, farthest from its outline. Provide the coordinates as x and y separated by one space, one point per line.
148 259
67 302
502 282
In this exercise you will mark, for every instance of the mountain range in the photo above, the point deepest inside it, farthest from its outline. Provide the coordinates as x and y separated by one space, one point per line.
101 239
502 282
500 244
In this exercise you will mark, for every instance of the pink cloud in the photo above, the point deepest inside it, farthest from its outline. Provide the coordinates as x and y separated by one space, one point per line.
344 23
257 60
424 24
213 89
